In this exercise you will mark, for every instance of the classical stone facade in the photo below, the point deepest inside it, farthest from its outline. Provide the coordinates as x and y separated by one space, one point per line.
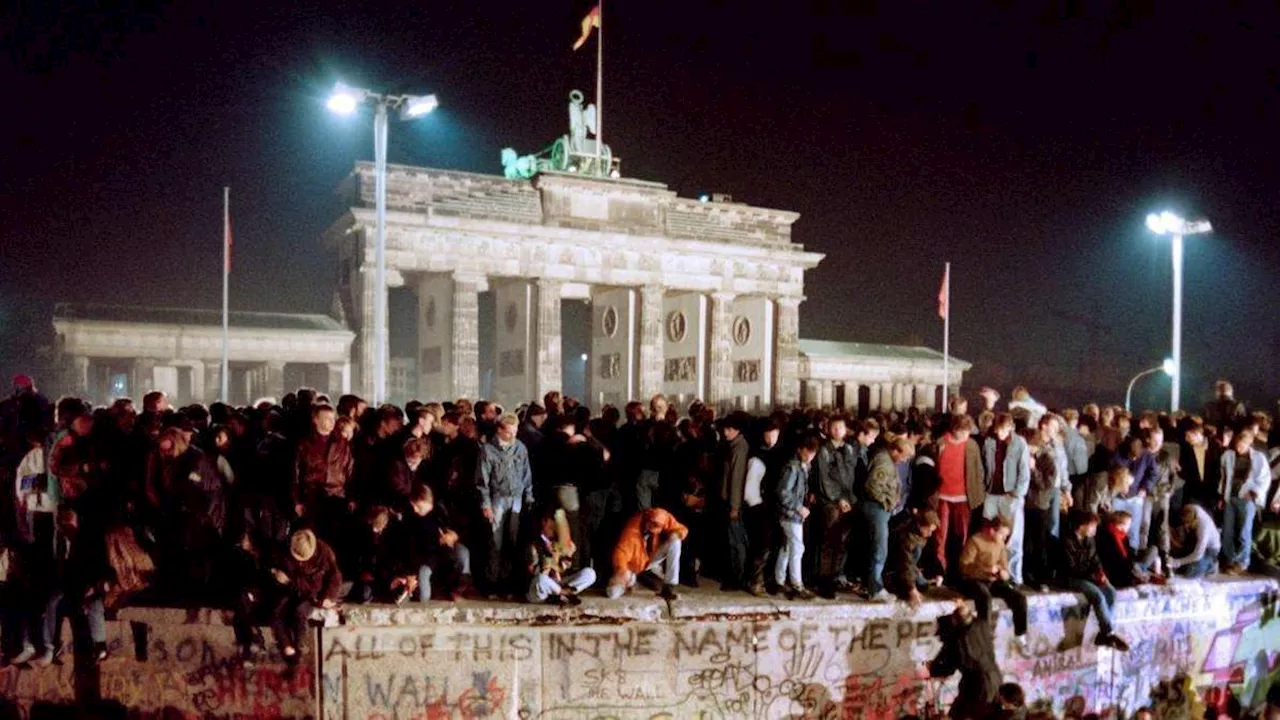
697 299
864 377
111 351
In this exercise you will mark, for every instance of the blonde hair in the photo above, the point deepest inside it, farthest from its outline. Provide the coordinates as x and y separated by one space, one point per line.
1119 479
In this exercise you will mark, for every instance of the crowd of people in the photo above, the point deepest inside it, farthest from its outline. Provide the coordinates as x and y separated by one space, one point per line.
285 506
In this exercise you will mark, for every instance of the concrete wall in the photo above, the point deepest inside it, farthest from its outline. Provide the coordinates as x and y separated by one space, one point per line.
701 656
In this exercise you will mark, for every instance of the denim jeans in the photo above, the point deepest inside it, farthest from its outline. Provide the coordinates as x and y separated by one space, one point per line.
1136 507
461 557
875 520
787 568
735 556
1237 530
1010 507
60 606
504 526
1055 515
1101 598
1203 567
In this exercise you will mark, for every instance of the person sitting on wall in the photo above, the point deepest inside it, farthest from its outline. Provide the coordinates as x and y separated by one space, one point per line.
549 562
984 573
435 560
1082 573
373 557
307 577
650 542
1120 561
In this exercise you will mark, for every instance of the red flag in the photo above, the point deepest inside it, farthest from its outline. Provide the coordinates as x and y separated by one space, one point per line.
592 20
944 294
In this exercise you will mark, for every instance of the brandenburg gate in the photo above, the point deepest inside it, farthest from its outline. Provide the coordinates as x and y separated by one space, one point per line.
690 297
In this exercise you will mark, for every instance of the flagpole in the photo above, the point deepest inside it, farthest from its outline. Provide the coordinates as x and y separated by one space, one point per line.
946 343
226 274
604 172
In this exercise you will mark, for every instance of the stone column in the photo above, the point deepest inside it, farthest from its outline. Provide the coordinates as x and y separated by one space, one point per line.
924 397
143 378
367 295
198 391
652 344
720 370
828 394
851 405
213 381
886 397
466 336
80 375
274 385
547 341
786 353
339 380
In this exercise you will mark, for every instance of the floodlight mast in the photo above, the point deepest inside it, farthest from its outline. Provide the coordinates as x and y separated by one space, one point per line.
345 100
1167 223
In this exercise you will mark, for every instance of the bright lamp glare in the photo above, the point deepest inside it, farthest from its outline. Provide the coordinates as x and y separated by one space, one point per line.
417 106
344 99
1169 368
342 104
584 357
1155 224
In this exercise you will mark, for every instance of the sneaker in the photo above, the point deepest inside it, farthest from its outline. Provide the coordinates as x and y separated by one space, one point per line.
757 590
884 596
100 652
44 660
1118 643
28 652
843 586
668 593
573 600
649 581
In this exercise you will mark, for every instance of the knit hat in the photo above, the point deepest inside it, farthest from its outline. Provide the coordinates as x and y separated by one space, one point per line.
302 545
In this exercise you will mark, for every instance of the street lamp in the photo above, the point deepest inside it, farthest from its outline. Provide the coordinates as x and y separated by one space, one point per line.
1166 223
1169 367
345 100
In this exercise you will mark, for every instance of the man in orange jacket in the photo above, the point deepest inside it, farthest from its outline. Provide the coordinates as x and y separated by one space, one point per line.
650 541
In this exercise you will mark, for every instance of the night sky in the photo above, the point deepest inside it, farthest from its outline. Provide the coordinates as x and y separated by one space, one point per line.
1024 142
